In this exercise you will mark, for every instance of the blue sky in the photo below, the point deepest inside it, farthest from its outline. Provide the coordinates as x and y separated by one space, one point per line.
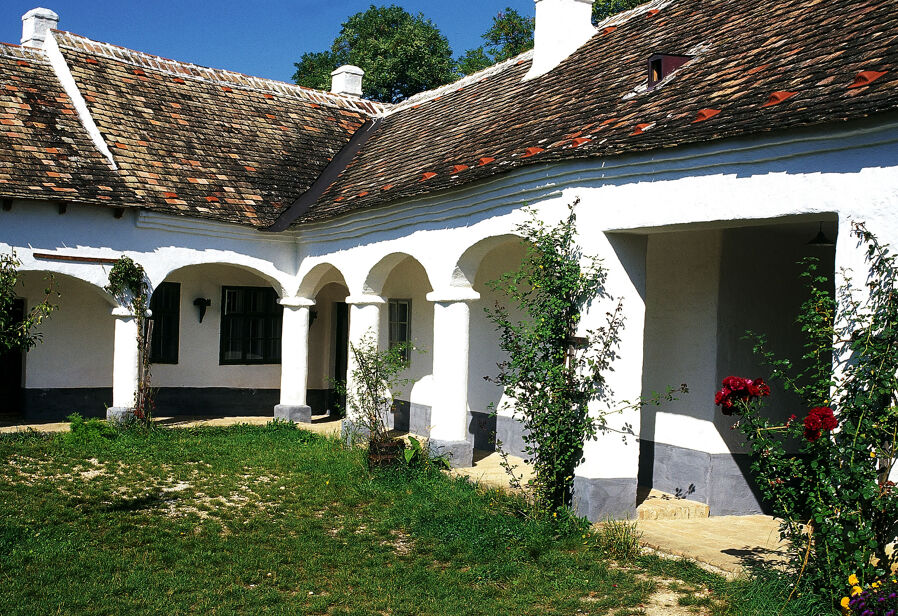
262 37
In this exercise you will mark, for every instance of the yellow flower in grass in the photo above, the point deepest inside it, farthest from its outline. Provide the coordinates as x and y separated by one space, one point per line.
852 579
872 454
856 590
844 603
876 584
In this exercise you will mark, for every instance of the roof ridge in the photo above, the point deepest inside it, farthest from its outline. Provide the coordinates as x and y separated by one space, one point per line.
189 70
486 73
19 51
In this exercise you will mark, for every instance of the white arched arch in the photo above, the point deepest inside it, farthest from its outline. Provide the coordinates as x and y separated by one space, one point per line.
468 264
93 277
318 277
277 283
377 275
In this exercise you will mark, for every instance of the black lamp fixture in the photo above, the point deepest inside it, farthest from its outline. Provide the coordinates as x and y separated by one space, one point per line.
820 240
202 304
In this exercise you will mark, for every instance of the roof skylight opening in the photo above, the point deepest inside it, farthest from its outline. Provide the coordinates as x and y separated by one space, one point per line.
662 66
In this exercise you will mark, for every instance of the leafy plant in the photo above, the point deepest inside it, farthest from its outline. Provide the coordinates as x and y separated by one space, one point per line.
838 506
552 374
17 334
374 375
90 429
618 538
417 456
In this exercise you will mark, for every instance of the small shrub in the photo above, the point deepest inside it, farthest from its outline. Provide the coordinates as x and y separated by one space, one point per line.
838 505
619 538
90 429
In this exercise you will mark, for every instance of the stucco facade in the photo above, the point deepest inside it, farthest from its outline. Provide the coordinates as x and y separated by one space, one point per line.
679 230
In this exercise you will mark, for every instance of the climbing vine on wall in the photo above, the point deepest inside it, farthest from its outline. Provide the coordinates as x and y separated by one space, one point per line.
128 284
551 373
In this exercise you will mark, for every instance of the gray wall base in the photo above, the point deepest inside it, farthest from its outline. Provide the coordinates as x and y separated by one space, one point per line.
510 432
215 401
459 453
57 404
482 426
296 414
598 499
723 481
119 415
411 418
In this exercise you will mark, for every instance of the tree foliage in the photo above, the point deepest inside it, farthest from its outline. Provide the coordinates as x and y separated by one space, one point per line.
603 9
551 374
18 334
509 35
402 54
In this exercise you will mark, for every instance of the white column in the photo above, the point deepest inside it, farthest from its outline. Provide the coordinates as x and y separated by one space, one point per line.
294 360
125 363
364 320
605 483
451 346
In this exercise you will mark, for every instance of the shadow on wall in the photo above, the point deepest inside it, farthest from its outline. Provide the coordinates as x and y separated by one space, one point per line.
705 289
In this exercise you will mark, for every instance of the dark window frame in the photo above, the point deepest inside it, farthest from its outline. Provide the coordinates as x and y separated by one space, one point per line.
165 304
258 319
395 324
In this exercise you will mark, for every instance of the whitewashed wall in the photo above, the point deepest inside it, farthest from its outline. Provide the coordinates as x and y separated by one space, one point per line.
77 338
198 364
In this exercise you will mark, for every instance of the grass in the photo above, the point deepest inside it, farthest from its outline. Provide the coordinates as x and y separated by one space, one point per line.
275 520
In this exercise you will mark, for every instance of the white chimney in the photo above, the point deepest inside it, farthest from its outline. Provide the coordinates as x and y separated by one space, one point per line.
562 26
347 80
36 23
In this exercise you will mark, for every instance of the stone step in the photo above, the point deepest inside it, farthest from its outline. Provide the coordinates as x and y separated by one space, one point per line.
657 505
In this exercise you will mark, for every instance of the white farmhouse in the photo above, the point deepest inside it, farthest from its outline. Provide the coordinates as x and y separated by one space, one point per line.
708 143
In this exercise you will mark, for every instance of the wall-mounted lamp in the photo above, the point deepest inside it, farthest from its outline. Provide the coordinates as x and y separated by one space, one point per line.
202 304
820 240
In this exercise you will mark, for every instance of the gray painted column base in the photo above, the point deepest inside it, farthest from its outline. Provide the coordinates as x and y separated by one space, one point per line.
597 499
459 453
118 414
296 414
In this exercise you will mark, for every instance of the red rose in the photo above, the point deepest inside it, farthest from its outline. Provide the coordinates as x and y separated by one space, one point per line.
736 388
819 418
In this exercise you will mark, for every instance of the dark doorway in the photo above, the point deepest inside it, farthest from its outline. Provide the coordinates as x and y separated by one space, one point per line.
11 372
341 347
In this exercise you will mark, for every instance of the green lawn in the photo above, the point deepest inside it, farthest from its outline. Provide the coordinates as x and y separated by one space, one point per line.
275 520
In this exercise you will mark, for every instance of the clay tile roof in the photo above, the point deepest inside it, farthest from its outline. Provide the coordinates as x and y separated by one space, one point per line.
45 153
205 142
826 61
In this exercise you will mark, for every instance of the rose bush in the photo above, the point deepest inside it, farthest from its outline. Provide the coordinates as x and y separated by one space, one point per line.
827 476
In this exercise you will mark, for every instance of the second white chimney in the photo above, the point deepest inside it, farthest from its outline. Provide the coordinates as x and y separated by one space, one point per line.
562 26
347 80
36 24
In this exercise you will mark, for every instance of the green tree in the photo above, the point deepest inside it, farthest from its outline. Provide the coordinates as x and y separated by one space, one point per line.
552 374
603 9
401 54
509 35
18 334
